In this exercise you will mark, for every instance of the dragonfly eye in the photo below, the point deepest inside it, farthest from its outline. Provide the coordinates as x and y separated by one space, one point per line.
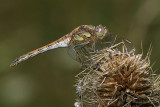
101 31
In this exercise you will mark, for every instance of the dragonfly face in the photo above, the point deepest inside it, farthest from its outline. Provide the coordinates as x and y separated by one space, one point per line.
101 31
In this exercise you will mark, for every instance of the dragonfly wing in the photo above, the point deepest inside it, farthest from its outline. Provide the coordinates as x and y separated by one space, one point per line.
82 51
128 44
107 41
111 40
78 51
72 53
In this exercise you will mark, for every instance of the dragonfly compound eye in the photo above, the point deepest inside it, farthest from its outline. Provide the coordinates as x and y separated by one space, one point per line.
101 31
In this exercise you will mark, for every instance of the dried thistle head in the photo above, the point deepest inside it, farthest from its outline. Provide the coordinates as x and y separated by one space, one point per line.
118 79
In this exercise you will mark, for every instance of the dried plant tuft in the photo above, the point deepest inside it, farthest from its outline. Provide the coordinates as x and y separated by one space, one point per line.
118 78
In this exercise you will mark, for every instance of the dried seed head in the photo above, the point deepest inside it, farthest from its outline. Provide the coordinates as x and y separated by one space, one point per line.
118 78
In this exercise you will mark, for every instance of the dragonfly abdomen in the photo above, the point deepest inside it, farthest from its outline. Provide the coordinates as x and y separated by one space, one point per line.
62 42
29 55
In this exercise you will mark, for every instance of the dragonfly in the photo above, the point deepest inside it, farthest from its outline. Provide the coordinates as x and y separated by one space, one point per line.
78 39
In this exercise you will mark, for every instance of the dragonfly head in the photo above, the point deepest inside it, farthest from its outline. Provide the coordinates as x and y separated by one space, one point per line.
101 31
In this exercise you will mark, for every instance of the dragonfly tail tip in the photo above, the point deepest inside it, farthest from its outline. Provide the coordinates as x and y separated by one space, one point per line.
12 65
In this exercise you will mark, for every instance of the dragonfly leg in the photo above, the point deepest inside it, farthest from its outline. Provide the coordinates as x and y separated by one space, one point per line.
93 47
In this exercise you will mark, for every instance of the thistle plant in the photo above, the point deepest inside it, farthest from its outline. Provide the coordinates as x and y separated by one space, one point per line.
118 77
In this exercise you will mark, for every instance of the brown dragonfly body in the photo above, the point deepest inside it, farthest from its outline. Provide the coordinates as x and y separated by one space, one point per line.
83 33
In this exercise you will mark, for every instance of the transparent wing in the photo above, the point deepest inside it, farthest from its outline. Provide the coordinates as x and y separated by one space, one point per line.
79 51
128 44
107 41
83 51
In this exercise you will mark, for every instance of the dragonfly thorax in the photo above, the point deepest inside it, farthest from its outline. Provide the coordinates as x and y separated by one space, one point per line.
82 33
87 32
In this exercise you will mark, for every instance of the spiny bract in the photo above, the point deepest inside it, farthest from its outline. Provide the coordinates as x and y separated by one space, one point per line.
118 79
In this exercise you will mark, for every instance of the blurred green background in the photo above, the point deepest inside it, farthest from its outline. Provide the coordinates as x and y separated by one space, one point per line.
47 80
